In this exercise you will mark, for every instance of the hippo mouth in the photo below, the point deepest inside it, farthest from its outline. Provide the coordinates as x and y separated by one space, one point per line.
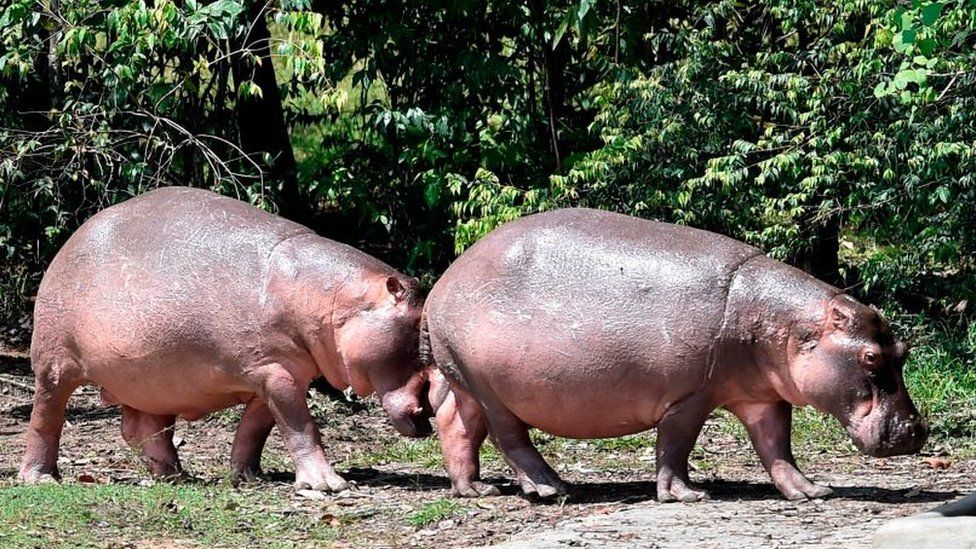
883 435
415 425
410 416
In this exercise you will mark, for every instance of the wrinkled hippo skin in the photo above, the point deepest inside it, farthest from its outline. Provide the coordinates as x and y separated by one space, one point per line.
949 526
590 324
181 302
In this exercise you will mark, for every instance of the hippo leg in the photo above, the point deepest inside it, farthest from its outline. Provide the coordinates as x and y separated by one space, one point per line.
768 424
53 386
462 429
153 436
286 398
676 436
253 431
511 436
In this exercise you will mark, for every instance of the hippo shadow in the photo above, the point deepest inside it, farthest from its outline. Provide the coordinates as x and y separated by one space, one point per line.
627 491
374 478
722 490
17 366
73 413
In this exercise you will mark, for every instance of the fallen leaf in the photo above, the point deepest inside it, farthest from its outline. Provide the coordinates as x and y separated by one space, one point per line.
937 462
330 519
86 478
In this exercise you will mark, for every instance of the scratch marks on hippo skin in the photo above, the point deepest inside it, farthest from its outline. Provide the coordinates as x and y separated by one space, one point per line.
723 327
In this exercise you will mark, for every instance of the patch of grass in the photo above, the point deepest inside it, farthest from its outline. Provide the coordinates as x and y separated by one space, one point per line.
434 512
941 377
815 432
423 452
227 416
91 515
626 444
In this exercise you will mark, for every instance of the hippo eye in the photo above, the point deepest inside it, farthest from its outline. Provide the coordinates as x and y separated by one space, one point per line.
870 360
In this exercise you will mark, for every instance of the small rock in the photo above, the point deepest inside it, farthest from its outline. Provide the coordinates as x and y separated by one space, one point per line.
314 495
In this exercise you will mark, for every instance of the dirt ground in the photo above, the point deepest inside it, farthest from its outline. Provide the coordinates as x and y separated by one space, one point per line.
611 501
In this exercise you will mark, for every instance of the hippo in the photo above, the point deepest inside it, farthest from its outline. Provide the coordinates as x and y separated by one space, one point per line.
592 324
181 302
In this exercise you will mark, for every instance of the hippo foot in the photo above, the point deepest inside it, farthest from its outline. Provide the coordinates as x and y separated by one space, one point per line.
247 474
813 491
476 489
38 477
174 478
542 489
679 491
321 481
166 471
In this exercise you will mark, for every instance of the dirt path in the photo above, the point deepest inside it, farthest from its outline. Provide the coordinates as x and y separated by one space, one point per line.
611 503
740 516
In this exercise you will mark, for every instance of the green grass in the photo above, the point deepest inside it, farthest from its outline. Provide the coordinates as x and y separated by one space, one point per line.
942 381
434 512
424 452
93 515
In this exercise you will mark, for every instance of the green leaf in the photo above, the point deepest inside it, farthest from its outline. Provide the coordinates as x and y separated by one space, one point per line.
905 20
903 40
881 90
561 30
584 8
931 13
926 46
432 193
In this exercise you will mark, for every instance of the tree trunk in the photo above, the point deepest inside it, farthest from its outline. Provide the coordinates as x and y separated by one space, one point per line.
261 120
821 259
538 14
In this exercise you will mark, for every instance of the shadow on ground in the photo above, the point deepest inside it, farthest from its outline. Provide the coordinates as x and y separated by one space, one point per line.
73 413
625 492
15 364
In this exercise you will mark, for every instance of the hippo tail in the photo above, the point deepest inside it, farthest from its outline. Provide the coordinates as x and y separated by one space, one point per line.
426 354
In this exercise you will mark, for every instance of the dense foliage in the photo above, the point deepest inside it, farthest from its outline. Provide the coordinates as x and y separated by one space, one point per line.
838 135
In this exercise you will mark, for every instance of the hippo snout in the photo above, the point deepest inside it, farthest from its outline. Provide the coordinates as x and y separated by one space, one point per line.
891 436
415 424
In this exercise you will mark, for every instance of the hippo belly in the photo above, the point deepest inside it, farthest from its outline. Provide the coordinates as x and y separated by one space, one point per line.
149 385
604 377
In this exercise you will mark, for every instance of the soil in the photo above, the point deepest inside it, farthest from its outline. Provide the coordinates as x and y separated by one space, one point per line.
611 501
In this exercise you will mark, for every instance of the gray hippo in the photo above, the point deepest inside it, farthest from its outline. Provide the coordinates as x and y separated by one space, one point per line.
590 324
181 302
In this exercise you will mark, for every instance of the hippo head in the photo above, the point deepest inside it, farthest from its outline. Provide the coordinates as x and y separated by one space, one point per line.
850 366
379 347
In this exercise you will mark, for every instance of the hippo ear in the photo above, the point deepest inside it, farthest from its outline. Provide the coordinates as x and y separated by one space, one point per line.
840 319
395 287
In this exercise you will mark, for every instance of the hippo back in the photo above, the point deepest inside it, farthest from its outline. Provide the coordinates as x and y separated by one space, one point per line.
582 268
176 268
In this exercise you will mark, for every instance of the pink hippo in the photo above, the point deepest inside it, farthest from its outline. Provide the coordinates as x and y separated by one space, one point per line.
590 324
181 302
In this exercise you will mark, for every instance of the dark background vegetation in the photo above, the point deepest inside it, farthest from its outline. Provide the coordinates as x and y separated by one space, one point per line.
837 135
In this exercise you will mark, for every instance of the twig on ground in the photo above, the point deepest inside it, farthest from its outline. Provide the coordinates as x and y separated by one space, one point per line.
8 380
